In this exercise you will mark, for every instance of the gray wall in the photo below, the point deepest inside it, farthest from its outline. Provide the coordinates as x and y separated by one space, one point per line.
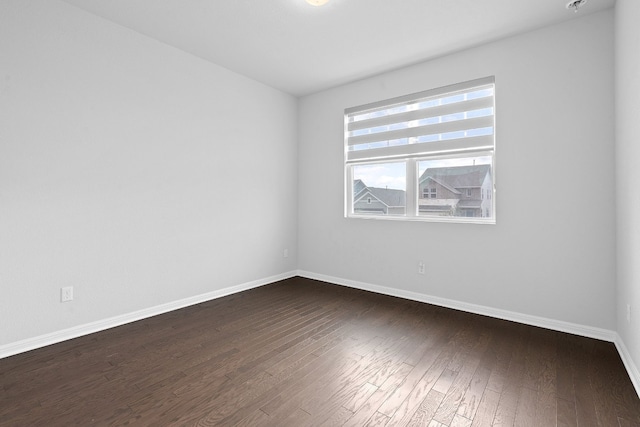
128 170
628 176
552 252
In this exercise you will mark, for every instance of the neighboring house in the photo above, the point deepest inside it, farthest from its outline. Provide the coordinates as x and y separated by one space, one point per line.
457 191
374 200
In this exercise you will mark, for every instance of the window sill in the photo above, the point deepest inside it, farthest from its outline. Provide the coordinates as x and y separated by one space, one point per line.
458 220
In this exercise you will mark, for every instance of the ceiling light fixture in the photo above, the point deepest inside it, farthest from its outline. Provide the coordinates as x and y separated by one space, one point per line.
576 4
317 2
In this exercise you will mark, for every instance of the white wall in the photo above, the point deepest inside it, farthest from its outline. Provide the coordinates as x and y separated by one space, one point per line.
132 171
628 177
551 253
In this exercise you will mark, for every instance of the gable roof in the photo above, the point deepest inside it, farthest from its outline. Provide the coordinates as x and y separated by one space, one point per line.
358 186
458 176
388 196
444 184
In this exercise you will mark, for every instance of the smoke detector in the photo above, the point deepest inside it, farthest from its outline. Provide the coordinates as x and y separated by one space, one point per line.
576 4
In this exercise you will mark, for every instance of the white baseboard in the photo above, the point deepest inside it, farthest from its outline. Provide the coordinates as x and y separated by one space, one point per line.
556 325
100 325
632 369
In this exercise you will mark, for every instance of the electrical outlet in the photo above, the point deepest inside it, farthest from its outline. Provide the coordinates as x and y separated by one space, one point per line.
285 253
66 294
421 267
628 313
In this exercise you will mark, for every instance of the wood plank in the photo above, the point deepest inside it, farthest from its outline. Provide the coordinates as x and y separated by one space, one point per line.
487 408
338 391
444 382
546 403
460 421
447 410
507 406
565 370
473 395
566 415
526 409
337 418
369 408
378 419
360 397
427 409
506 338
585 399
414 399
436 353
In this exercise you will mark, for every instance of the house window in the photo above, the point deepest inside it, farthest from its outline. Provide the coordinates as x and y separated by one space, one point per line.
423 156
429 193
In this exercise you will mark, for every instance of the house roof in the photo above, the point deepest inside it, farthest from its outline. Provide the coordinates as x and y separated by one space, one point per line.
458 176
358 186
388 196
444 184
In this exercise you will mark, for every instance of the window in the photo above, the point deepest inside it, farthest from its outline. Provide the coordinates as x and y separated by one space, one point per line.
429 193
425 156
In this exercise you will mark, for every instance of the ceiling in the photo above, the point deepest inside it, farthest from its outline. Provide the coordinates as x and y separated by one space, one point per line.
301 49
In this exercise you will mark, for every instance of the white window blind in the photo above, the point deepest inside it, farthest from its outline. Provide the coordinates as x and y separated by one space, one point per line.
454 118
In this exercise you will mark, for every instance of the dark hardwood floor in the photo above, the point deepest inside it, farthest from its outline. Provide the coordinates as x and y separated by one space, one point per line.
306 353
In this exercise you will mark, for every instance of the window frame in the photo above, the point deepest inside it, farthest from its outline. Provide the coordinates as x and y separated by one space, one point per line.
413 153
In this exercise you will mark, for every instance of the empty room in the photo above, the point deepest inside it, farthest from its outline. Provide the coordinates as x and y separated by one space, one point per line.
319 212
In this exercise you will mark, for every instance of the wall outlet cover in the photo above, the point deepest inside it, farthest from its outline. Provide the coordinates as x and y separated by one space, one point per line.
66 294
